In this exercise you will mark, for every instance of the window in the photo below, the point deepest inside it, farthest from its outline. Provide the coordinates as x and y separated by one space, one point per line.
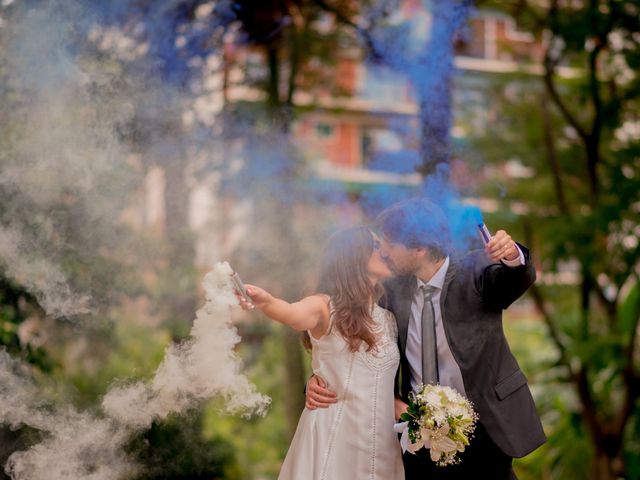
324 130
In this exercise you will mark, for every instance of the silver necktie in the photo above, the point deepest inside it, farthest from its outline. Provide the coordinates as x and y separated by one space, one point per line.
429 347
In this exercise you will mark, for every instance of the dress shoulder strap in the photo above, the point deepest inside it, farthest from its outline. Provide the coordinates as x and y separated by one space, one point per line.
331 310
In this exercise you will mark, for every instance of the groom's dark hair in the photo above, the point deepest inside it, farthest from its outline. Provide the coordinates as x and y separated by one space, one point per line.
416 223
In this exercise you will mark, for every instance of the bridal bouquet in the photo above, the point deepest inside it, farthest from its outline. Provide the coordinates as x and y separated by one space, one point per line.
440 419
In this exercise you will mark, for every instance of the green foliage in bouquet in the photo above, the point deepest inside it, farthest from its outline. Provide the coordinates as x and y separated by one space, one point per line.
414 413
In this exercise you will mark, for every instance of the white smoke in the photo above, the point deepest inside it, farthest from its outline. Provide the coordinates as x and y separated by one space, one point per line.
83 446
75 445
63 171
39 275
197 369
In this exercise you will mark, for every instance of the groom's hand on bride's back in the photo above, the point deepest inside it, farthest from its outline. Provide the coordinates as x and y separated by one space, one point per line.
318 395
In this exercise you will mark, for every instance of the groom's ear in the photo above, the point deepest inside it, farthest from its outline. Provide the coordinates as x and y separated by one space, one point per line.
421 252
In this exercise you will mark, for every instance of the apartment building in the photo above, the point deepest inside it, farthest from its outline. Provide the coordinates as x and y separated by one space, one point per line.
369 135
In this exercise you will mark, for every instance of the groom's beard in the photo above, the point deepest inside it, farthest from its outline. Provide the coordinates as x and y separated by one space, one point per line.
397 271
402 270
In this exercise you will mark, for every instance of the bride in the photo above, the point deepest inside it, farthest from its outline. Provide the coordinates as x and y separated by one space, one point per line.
354 351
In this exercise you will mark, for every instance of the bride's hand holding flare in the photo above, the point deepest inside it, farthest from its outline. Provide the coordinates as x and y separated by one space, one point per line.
259 297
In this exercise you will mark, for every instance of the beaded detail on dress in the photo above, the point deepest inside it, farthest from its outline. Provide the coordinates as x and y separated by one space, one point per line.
385 354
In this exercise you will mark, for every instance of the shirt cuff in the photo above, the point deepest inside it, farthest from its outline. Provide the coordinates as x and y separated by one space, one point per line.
516 262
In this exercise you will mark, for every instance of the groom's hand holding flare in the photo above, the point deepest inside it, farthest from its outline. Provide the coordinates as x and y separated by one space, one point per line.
502 247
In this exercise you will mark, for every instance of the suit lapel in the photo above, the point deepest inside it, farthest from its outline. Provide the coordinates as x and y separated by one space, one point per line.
451 273
406 290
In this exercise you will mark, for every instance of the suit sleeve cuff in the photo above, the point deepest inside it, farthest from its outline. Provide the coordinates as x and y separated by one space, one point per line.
516 262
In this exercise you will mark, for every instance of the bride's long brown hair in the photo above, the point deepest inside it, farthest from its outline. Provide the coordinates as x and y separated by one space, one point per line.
343 276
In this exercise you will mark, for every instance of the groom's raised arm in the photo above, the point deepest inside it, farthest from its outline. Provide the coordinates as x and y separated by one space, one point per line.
505 273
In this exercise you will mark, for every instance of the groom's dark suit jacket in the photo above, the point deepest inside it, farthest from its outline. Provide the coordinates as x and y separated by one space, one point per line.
474 294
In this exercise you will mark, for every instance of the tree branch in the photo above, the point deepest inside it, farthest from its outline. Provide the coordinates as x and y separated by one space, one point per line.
553 330
549 73
633 342
544 311
579 377
589 412
610 306
586 286
552 157
632 392
592 142
371 44
629 374
294 57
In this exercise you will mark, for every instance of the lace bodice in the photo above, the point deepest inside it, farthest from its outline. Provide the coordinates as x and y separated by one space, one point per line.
385 354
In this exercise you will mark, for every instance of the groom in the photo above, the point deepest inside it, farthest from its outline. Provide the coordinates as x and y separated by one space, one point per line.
449 315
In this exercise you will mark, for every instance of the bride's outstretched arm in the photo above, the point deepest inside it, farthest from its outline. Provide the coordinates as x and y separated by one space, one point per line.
310 313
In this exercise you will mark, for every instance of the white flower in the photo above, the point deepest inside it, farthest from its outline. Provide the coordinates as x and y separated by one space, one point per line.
451 394
432 398
438 442
444 425
458 410
440 416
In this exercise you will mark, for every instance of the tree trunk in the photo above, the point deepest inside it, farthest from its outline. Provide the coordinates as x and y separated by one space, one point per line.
177 212
182 302
273 86
593 159
281 112
604 467
295 381
291 343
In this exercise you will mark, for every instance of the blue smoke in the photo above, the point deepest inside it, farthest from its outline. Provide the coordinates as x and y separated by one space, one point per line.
405 51
410 52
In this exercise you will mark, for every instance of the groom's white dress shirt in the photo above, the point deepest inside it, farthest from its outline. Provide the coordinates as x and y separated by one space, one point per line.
448 371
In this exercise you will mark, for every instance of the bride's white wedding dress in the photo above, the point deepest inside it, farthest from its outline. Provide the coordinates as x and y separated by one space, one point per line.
354 438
